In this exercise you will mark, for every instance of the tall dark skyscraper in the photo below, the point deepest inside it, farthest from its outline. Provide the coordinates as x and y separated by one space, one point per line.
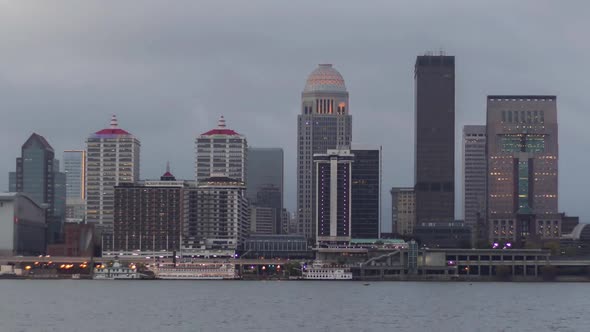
324 123
366 192
435 139
37 174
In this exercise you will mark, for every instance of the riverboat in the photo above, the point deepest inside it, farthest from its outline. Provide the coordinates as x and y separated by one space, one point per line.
115 272
320 271
194 271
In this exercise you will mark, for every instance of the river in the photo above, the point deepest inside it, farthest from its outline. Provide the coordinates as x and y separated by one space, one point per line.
146 306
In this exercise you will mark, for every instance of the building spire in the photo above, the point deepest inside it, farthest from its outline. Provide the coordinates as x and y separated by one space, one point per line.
168 167
114 123
221 122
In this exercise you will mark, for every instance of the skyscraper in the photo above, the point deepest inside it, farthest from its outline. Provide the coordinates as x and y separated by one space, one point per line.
324 123
37 175
333 197
221 151
474 176
523 155
113 157
265 181
366 192
435 138
75 170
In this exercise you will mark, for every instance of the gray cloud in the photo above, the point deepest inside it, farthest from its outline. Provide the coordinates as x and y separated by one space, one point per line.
169 69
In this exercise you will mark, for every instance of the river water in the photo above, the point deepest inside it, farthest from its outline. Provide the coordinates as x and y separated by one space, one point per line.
92 305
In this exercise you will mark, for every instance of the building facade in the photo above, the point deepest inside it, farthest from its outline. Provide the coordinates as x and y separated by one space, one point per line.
112 158
22 225
74 162
435 138
149 215
221 151
37 174
262 220
333 197
265 180
474 176
324 123
523 157
403 210
366 192
217 217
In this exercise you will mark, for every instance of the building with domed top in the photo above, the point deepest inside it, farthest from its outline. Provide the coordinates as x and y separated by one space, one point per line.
112 157
324 123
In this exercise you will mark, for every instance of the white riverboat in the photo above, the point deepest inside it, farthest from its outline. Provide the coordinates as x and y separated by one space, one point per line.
194 271
115 272
320 271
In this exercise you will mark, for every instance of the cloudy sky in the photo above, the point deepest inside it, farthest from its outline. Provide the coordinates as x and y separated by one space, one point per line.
168 69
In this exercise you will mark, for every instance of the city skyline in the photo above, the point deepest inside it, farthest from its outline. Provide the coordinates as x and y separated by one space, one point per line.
378 77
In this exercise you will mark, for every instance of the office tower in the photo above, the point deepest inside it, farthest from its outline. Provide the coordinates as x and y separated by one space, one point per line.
435 138
37 175
75 170
27 234
522 149
403 210
262 220
324 123
265 181
221 151
366 192
333 197
112 157
149 215
217 217
474 178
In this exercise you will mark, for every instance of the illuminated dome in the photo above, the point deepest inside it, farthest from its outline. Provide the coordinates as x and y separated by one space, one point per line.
325 79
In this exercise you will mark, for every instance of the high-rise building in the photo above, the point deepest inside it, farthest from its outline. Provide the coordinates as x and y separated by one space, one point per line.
262 220
149 215
37 175
112 158
333 197
366 192
403 210
265 181
435 138
474 177
221 151
324 123
74 162
522 149
217 218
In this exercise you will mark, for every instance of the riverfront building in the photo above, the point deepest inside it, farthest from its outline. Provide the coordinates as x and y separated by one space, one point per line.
403 210
522 168
435 138
333 197
221 151
366 192
113 158
324 123
22 225
474 176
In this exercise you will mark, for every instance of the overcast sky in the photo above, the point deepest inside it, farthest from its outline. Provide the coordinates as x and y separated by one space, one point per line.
168 69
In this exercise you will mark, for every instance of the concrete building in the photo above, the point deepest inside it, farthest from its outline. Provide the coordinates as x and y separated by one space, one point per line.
366 192
80 240
435 138
265 180
276 246
523 156
221 151
403 210
149 215
333 197
74 162
217 217
439 235
112 158
262 220
324 123
474 176
37 174
22 225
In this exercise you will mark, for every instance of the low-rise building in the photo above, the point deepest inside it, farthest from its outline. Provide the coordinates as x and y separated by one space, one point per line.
22 225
